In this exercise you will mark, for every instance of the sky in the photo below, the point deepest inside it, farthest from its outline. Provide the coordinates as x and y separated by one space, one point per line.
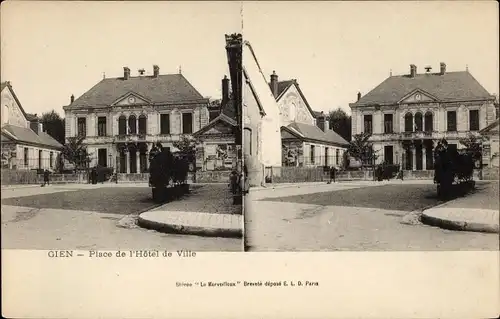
51 50
335 49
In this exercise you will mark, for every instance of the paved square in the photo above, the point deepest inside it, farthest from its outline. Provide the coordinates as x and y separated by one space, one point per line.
391 197
88 217
109 200
350 217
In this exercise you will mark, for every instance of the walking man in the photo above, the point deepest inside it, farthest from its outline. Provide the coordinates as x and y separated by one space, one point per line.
46 179
333 172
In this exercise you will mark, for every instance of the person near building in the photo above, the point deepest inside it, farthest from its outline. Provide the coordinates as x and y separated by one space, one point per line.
333 173
46 177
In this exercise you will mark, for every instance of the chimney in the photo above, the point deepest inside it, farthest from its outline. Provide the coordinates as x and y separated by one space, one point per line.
40 127
35 126
72 98
225 89
359 96
413 70
442 68
156 71
274 84
320 122
126 73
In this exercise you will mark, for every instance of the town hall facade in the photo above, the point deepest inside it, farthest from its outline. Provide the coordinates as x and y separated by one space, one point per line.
407 114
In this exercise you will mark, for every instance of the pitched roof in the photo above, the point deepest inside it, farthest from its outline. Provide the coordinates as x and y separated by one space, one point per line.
451 86
312 132
490 127
27 135
167 88
8 85
221 118
284 85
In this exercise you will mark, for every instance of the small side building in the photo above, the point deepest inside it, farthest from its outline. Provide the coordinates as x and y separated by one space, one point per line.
25 144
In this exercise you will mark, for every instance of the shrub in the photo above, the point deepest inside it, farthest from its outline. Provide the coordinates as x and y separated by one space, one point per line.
386 171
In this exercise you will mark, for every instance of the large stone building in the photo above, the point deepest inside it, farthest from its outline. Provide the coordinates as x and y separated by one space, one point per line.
121 118
25 145
407 114
261 120
307 139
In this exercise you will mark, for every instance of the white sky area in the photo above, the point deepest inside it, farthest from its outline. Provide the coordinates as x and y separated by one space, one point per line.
335 49
51 50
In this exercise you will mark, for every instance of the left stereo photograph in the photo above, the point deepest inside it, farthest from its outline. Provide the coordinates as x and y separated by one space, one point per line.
130 142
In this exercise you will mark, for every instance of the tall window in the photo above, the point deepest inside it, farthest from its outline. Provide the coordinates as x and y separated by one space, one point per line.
82 126
368 124
51 159
132 124
165 124
326 156
101 126
429 125
26 156
102 158
474 120
312 153
389 154
337 155
142 124
187 123
122 125
418 122
451 120
408 122
388 126
40 154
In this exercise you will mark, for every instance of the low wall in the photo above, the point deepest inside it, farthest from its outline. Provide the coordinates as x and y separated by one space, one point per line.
17 177
212 177
490 174
317 174
201 177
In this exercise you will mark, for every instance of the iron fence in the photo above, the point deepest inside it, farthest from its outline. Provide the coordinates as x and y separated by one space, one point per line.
288 174
311 161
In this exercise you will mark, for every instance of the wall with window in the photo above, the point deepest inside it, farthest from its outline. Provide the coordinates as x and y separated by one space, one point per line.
315 154
32 157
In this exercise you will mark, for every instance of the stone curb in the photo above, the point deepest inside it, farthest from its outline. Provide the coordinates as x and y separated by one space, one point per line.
189 230
458 225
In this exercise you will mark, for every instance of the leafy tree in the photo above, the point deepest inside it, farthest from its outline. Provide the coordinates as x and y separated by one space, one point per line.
75 152
340 122
473 146
54 125
361 149
187 146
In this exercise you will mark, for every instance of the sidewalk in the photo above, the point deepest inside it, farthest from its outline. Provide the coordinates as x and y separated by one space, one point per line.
193 223
476 212
207 211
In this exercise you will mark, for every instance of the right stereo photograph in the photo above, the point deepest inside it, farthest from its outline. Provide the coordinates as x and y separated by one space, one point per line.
380 136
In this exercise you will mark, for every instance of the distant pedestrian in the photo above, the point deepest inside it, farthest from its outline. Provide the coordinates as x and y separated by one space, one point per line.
46 177
233 182
333 173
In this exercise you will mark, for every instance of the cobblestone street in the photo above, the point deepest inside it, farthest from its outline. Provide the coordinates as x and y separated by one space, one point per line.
89 217
350 216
